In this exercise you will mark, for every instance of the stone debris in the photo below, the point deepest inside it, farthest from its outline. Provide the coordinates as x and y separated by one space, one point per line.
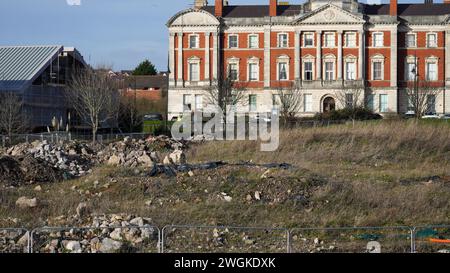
24 202
103 234
43 162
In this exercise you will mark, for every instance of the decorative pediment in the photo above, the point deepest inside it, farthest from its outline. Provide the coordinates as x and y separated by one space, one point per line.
329 14
193 17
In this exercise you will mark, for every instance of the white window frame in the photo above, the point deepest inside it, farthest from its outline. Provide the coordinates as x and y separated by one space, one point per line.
428 40
197 106
432 60
329 58
253 61
279 44
304 39
194 61
381 103
233 61
229 41
353 60
187 100
312 60
250 103
415 40
197 41
325 39
374 34
257 40
306 103
377 59
347 34
410 60
286 60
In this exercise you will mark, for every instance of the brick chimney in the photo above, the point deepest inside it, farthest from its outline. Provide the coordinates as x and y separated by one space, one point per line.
393 8
218 8
274 8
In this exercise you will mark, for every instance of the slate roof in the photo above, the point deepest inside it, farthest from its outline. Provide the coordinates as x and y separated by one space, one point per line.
252 11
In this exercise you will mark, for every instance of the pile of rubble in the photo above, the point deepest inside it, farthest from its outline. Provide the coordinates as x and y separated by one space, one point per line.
72 158
41 161
146 153
13 241
103 234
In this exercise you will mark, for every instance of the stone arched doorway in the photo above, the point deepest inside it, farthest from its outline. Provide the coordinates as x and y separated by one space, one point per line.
329 104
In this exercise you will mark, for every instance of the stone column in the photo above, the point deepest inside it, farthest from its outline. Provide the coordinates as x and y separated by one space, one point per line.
319 55
394 57
361 46
339 58
297 55
267 56
207 65
215 57
180 60
172 59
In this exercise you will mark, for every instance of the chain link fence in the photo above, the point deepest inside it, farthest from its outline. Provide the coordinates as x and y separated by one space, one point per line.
62 136
351 240
128 239
212 239
222 239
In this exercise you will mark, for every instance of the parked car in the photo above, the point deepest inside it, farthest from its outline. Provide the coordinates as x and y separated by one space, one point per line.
153 117
430 116
409 114
446 116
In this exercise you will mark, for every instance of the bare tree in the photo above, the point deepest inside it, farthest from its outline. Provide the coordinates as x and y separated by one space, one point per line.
225 93
129 116
352 98
419 92
289 99
12 117
94 96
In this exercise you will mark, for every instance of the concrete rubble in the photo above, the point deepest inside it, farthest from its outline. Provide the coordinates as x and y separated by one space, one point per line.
41 161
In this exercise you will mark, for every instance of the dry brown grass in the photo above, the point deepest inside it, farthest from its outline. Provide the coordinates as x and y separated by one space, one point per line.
370 174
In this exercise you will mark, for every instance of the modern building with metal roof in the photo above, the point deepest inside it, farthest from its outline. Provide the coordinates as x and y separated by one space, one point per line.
39 75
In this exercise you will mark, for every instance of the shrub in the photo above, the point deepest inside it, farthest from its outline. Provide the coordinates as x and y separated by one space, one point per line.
349 114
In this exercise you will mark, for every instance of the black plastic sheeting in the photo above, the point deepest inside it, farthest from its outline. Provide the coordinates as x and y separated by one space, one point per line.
172 170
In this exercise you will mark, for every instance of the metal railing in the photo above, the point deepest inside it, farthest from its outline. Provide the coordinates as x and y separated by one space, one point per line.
207 239
224 239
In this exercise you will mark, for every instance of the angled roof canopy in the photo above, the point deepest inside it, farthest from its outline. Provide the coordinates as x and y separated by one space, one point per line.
21 65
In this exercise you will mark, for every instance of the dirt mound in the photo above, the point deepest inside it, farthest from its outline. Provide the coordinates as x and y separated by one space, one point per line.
17 171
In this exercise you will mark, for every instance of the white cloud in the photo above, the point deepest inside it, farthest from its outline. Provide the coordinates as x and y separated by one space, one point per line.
73 2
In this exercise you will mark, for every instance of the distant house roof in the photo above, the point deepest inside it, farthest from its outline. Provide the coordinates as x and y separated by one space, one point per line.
21 65
147 82
252 11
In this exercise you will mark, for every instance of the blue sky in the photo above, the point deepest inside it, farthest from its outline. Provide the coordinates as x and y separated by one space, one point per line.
120 33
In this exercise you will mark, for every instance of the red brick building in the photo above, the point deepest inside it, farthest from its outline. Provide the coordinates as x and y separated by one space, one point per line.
324 47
